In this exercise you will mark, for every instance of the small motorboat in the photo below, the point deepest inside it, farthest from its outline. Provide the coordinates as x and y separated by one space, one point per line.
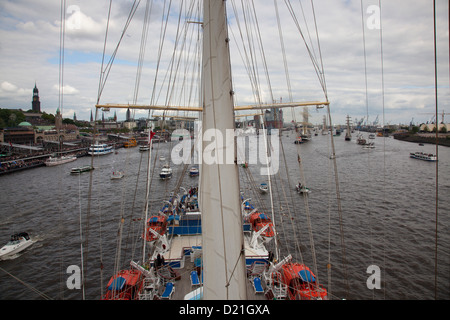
17 243
144 147
264 188
117 175
166 172
299 140
302 189
162 158
193 172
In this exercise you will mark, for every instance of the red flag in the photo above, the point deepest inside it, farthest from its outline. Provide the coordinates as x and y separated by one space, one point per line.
151 136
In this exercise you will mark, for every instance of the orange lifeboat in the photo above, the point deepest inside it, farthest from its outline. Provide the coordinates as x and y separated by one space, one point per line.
301 283
156 223
259 220
125 285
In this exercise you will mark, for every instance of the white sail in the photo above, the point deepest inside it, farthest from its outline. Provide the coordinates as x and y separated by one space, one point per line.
224 274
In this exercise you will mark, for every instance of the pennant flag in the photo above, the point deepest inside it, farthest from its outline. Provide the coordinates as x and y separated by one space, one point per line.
151 136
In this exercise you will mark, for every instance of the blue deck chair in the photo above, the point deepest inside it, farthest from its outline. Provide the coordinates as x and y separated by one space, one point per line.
194 279
167 294
257 285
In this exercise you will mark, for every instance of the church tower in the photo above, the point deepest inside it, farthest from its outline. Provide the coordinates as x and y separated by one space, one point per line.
58 120
36 104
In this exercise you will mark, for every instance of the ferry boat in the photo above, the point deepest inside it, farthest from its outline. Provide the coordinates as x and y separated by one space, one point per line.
100 149
81 169
54 161
17 243
130 143
423 156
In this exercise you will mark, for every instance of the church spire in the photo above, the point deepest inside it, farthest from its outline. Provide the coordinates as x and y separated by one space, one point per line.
35 103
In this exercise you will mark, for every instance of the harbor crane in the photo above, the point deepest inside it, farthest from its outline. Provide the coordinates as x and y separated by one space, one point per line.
434 116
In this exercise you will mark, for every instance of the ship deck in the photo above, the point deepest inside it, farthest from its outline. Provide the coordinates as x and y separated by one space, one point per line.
184 265
183 285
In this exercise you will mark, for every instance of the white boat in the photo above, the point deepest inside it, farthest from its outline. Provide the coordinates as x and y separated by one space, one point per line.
302 189
144 147
193 172
264 188
369 145
117 175
100 149
423 156
54 161
166 172
81 169
162 158
17 243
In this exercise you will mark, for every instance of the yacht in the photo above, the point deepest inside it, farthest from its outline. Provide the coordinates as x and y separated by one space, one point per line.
17 243
166 172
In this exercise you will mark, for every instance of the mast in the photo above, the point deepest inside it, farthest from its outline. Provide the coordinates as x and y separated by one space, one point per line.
224 273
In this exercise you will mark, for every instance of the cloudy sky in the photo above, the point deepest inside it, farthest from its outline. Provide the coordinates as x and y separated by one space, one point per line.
30 53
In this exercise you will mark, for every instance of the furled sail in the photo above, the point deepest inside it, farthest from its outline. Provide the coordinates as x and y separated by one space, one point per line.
223 257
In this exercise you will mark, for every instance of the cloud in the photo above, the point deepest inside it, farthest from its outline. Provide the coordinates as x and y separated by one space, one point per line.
12 89
29 53
9 87
66 89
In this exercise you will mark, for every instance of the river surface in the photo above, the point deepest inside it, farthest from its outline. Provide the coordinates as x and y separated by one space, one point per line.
388 211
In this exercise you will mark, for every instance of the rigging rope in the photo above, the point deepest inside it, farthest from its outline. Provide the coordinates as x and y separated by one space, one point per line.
384 149
42 294
368 206
437 153
104 72
60 141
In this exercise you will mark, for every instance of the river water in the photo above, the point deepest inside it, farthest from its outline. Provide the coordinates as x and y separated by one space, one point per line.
388 210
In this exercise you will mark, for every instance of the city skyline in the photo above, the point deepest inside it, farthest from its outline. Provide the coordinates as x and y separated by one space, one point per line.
29 54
